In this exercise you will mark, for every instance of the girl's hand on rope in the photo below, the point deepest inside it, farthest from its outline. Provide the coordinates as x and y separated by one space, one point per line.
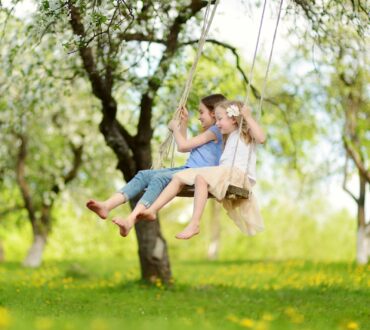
184 114
246 112
173 124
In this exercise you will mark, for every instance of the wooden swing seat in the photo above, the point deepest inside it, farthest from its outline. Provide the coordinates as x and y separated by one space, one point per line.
233 192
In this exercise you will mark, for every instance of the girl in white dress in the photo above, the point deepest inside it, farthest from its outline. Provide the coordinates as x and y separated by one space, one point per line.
216 179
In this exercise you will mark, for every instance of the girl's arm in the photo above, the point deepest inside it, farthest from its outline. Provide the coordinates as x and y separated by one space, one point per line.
255 129
184 144
184 115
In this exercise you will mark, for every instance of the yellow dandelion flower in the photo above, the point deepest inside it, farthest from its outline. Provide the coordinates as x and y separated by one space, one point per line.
247 323
5 318
200 310
298 318
289 311
352 325
294 315
232 318
117 276
261 325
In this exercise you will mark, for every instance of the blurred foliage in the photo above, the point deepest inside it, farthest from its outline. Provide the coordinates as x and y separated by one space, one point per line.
44 93
309 231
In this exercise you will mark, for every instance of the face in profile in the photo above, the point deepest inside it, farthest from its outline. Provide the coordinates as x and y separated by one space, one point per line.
224 123
206 117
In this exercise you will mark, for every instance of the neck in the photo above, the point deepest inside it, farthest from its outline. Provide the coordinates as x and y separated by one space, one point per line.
235 130
207 127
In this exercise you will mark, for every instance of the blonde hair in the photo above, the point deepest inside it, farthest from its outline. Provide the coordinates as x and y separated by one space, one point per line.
244 134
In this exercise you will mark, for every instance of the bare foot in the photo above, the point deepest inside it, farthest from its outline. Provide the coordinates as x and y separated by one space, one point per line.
124 226
98 207
190 231
147 215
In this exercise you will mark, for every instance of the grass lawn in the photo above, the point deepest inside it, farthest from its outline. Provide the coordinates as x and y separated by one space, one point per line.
106 294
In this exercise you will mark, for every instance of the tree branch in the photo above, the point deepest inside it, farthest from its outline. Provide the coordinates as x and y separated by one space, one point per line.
72 173
138 36
233 50
145 130
113 132
20 174
344 185
356 157
97 83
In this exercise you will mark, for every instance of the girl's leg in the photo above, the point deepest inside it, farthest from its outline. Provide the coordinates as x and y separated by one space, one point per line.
134 187
159 181
167 195
125 225
156 185
102 209
200 200
170 192
138 183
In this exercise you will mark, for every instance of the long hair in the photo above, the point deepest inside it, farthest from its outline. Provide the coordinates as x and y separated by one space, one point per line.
245 132
212 100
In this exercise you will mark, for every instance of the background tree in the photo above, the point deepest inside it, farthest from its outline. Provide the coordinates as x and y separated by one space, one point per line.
42 153
113 41
127 49
336 47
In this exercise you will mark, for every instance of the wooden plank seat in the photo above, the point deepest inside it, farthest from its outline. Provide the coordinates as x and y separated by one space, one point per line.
233 192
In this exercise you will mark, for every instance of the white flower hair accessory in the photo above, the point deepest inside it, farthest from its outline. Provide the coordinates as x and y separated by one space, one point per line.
233 111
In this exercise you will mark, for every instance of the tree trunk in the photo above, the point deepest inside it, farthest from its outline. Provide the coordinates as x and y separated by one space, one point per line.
362 256
35 253
133 152
153 256
214 245
40 228
362 239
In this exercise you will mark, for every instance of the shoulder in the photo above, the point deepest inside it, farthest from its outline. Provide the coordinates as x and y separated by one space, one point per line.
214 130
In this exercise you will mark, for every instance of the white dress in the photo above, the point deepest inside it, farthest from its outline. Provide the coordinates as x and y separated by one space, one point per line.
244 212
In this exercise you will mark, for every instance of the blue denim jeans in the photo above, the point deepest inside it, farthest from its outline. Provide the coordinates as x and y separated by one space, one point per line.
154 180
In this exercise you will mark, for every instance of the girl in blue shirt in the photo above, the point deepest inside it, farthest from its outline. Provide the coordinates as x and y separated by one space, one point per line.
205 150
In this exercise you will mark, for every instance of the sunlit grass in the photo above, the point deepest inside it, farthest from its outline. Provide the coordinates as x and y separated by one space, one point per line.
107 294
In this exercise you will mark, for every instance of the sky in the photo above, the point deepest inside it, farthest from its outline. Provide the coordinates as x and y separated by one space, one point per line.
237 23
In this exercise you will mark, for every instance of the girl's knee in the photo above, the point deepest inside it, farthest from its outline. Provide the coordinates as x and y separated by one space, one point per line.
177 181
200 180
141 173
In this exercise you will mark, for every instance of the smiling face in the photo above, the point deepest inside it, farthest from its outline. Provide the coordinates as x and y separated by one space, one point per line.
225 124
206 117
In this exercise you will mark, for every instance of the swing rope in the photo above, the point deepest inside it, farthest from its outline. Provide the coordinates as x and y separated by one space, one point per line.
168 143
248 86
259 110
